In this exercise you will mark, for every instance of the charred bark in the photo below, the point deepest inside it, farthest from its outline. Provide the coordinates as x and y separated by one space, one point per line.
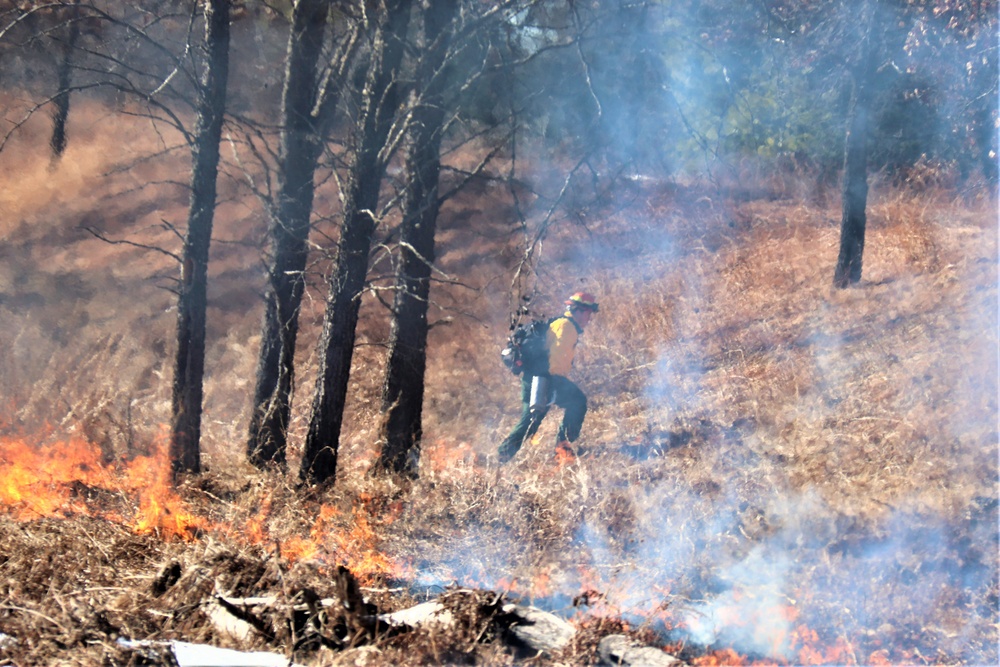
60 102
380 97
855 188
189 363
299 150
403 389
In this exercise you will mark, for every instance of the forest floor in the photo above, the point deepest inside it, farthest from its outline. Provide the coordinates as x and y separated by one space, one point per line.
771 469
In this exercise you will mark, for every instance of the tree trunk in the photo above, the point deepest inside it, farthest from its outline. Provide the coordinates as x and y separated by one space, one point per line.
61 100
403 389
189 364
289 230
379 101
855 188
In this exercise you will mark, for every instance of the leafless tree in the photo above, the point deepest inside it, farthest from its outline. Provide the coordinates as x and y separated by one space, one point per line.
403 389
380 99
60 102
189 362
307 107
876 37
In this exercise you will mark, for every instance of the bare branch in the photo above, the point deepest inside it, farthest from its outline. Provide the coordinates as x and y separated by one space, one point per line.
34 109
98 234
469 176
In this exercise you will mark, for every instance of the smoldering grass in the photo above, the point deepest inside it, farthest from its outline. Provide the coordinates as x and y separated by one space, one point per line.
743 414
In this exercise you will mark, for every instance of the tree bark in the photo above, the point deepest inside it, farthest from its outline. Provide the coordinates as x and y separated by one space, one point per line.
189 364
60 102
379 101
403 389
289 230
855 188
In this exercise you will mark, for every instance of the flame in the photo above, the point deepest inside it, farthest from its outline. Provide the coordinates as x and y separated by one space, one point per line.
880 658
161 510
800 641
38 482
780 637
46 481
564 456
447 457
541 585
256 527
722 657
360 548
357 548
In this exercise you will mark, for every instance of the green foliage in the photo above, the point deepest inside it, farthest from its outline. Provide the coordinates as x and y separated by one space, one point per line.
697 85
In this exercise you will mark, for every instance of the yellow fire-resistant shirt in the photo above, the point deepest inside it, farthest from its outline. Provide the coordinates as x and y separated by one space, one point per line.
561 342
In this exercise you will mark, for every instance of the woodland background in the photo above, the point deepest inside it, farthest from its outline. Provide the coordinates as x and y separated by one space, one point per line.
775 467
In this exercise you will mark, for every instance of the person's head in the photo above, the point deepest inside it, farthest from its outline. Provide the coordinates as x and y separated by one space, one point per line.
581 306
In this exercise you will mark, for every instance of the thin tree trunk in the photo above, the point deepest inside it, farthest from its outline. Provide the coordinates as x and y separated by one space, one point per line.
189 364
299 150
855 188
60 103
403 389
380 98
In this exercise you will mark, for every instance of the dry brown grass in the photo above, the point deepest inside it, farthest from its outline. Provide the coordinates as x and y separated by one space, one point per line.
771 465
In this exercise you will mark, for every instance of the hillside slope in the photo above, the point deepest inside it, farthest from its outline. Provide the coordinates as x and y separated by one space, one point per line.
770 468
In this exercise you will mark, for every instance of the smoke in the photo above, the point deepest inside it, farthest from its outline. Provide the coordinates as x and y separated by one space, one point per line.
749 616
754 609
470 560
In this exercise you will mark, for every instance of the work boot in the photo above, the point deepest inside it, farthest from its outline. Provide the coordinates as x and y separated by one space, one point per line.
505 454
565 454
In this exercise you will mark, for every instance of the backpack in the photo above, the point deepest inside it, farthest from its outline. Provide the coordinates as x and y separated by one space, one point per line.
525 351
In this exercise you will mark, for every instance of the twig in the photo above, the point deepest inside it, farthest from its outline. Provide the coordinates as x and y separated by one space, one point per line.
39 614
143 246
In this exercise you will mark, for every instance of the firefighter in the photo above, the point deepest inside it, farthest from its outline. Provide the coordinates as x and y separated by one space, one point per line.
554 387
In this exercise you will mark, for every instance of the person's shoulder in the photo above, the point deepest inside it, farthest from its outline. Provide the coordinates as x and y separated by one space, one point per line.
561 324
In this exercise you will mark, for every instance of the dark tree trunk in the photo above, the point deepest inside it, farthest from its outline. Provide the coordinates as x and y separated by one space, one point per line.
379 100
855 188
299 150
403 389
60 103
189 364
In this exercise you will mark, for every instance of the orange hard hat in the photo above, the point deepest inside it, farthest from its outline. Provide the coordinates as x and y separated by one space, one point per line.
583 300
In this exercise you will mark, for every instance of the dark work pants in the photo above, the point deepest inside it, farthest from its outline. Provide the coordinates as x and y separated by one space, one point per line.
564 394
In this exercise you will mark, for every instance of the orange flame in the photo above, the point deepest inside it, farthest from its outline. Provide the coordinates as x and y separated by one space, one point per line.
356 548
563 458
38 482
255 528
44 481
724 657
444 456
161 510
